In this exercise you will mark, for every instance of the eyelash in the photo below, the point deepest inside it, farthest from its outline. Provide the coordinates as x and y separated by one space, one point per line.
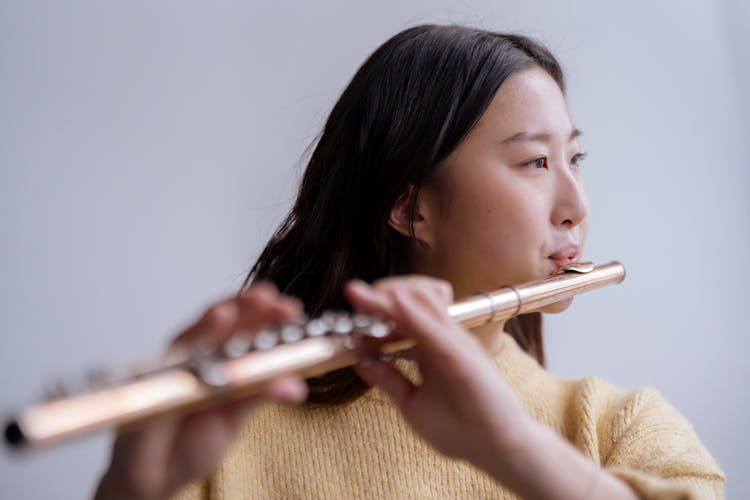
576 160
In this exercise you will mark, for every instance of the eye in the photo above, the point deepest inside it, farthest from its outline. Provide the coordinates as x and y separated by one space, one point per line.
540 162
578 158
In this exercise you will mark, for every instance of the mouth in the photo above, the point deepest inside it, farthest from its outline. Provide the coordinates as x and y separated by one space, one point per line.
564 257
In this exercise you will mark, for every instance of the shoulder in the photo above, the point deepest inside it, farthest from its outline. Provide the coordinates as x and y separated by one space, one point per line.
638 427
613 411
617 411
596 399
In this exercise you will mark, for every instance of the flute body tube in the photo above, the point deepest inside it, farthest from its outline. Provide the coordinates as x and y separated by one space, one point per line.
190 381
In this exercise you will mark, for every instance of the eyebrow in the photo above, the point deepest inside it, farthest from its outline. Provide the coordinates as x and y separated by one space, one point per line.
537 136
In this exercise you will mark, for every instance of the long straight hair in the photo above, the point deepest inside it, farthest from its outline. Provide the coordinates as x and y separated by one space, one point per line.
405 110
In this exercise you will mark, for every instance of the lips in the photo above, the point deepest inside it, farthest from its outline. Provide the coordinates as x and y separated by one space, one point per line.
565 256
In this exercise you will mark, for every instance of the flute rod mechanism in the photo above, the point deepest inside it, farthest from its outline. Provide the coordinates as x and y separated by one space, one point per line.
316 347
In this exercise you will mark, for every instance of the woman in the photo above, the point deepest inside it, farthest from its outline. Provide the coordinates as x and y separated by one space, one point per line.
451 154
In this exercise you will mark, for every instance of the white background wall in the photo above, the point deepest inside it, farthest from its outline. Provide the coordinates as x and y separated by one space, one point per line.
148 149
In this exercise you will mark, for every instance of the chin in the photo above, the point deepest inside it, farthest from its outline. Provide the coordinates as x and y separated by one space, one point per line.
557 307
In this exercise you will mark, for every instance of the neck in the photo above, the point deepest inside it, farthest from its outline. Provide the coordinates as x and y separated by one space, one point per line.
490 335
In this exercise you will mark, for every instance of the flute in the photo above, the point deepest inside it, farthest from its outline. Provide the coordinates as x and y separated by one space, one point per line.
186 381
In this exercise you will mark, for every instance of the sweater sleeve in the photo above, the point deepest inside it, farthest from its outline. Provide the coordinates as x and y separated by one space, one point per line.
655 450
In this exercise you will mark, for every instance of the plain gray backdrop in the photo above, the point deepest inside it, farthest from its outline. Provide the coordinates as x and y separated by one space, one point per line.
148 149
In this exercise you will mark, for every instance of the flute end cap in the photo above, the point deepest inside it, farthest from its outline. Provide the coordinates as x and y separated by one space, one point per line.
14 435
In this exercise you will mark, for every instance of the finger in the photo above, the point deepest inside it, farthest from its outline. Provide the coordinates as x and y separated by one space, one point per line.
432 300
202 440
250 310
218 318
368 299
379 373
265 306
418 319
440 289
140 451
437 294
285 389
380 299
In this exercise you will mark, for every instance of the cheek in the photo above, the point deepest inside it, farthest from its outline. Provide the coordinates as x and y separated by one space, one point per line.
492 234
499 218
515 211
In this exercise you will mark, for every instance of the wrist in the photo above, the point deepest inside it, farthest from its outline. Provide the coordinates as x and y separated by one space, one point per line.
538 463
515 451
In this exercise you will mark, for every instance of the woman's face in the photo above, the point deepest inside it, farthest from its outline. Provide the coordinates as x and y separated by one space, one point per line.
514 207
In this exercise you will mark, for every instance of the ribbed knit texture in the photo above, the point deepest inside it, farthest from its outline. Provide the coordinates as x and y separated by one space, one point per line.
366 449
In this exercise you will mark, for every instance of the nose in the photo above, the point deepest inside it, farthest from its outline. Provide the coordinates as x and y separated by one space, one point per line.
571 203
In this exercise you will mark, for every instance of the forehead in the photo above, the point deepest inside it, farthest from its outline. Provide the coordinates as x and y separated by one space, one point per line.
529 100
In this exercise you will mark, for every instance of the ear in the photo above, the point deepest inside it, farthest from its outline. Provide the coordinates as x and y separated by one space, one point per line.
399 216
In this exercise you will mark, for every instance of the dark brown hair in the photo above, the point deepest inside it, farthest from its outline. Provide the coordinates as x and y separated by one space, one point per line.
405 110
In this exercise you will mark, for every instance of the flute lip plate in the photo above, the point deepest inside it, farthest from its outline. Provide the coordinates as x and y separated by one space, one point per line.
577 267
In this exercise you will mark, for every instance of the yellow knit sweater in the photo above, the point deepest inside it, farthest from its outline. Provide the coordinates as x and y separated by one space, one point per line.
366 450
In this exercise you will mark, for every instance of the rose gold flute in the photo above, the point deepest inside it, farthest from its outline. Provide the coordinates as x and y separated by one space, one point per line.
335 340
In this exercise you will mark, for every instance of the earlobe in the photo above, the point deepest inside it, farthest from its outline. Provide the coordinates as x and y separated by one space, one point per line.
399 220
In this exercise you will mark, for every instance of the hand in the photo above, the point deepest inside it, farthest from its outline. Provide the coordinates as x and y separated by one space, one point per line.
156 459
464 406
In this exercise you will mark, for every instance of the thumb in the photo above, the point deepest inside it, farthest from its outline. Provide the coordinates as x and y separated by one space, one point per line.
286 389
382 374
